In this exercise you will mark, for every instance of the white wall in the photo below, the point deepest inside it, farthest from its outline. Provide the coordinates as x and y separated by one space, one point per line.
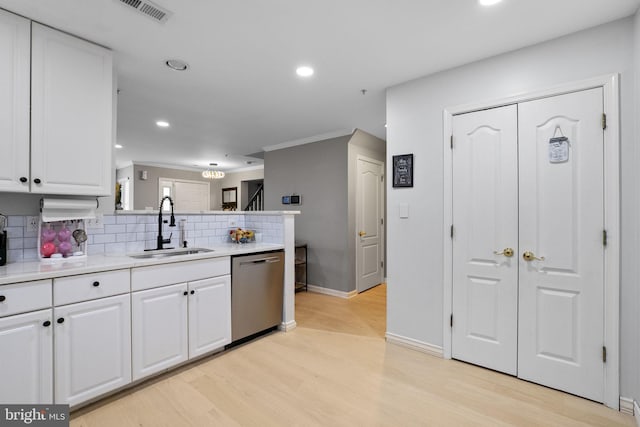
415 125
634 356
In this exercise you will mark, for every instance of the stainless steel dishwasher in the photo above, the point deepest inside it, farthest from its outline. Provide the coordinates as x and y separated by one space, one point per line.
257 288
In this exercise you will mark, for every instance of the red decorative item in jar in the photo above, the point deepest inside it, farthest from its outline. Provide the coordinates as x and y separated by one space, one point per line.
47 249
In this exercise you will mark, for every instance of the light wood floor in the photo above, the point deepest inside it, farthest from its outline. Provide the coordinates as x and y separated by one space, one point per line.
335 369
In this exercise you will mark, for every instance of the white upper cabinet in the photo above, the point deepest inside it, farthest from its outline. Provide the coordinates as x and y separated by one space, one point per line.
71 115
15 51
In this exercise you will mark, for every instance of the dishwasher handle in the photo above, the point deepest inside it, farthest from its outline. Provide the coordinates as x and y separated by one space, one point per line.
269 260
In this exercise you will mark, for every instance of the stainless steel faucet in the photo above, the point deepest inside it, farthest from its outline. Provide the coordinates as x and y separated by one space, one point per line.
172 223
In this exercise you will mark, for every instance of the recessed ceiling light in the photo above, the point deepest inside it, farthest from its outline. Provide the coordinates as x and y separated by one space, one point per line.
488 2
118 146
304 71
162 124
177 64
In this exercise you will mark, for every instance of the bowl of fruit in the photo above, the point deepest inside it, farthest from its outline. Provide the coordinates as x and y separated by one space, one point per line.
238 235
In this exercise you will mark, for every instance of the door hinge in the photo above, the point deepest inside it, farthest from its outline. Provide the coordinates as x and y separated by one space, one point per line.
604 237
604 354
451 320
604 121
452 231
381 264
452 142
381 221
381 178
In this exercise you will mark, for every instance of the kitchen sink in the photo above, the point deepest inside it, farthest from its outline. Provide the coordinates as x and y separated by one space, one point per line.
164 253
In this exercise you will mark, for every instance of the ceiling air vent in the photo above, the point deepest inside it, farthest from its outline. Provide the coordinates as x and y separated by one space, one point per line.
148 9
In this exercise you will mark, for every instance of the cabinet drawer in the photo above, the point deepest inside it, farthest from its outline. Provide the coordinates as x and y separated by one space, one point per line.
154 276
23 297
67 290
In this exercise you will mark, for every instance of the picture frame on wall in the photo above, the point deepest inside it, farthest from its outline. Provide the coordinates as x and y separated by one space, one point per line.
403 171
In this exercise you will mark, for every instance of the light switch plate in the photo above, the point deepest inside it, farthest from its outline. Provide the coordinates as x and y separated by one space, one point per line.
32 223
403 209
96 223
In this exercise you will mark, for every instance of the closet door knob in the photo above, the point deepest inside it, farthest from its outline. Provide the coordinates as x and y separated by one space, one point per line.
23 179
185 293
37 181
193 292
2 298
508 252
46 324
96 283
60 320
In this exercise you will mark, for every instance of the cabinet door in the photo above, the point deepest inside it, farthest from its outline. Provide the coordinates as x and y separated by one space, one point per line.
72 115
159 329
26 358
15 51
92 347
209 315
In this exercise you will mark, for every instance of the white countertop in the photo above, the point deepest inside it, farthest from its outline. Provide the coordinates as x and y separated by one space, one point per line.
36 270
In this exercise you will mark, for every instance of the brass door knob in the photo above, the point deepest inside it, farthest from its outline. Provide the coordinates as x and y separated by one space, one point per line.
530 256
508 252
362 233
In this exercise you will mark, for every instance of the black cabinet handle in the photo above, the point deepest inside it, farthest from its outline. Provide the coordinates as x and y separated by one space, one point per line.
193 292
96 283
46 324
61 320
2 298
185 293
37 181
23 179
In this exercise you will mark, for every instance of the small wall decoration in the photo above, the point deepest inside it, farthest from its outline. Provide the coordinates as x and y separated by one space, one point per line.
403 170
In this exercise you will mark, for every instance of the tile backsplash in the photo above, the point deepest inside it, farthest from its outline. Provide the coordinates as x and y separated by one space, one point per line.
122 234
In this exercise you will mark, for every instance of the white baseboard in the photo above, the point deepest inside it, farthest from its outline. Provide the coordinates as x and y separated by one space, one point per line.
288 326
626 405
423 347
636 411
331 292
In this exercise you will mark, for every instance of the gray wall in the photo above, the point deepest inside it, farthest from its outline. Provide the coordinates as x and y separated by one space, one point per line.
324 174
415 125
146 191
317 172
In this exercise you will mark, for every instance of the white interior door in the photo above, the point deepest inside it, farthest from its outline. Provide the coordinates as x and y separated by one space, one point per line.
485 214
561 331
191 195
540 192
369 227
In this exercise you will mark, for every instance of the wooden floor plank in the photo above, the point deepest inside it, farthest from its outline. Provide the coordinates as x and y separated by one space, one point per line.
336 369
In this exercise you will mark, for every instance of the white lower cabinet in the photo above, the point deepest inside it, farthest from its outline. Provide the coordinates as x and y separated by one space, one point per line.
209 315
92 348
159 329
172 324
26 358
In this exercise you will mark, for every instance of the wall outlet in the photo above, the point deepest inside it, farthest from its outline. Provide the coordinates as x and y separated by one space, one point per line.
32 223
96 223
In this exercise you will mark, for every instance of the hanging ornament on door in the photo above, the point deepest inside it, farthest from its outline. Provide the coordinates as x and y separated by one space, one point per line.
558 147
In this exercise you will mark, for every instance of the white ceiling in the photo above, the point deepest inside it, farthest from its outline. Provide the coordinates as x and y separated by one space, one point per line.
241 92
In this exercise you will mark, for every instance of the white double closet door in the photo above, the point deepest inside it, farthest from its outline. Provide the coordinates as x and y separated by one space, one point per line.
528 250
